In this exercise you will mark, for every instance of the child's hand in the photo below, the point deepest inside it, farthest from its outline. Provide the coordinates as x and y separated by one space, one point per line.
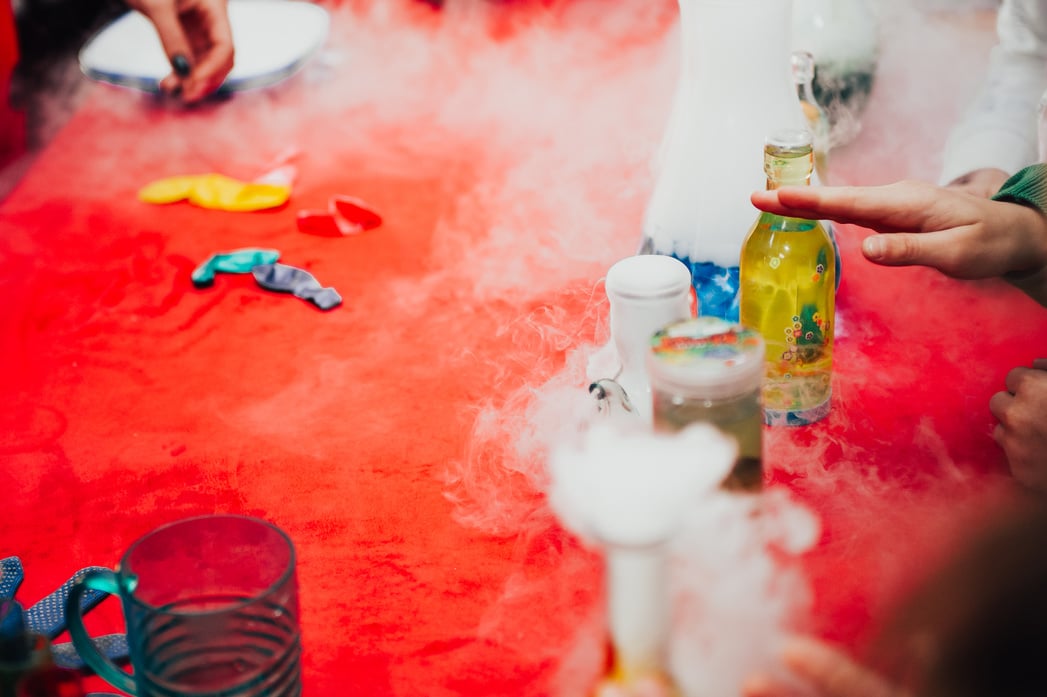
1022 431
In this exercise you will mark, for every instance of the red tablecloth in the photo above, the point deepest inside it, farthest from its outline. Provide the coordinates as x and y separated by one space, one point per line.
511 167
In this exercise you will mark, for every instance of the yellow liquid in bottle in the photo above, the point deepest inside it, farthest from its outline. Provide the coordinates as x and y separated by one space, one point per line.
788 279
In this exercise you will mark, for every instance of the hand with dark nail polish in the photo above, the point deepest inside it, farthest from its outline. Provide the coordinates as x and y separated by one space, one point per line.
197 36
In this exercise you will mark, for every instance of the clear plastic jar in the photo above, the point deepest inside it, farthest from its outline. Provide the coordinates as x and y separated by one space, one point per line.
710 370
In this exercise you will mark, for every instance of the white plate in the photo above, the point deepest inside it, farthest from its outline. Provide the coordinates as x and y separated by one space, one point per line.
273 39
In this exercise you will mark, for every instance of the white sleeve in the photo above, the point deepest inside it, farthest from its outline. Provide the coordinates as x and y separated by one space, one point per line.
999 130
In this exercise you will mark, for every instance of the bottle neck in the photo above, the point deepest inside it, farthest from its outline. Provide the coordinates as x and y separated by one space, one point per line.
789 163
778 182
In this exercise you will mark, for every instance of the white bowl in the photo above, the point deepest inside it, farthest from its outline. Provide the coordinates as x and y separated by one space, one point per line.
273 39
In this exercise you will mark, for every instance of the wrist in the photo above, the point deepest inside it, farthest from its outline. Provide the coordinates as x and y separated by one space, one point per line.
1027 267
1028 223
980 182
1027 187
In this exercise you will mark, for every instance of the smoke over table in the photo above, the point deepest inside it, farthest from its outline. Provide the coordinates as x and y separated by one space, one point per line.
402 440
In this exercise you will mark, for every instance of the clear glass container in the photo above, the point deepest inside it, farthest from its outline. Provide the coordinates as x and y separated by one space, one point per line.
710 370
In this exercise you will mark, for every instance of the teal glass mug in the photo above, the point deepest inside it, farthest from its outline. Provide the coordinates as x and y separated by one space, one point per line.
211 608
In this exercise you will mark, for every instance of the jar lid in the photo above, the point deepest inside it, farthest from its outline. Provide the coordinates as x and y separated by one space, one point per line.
648 276
706 358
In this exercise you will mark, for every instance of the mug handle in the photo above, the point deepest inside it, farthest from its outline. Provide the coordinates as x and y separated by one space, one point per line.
100 580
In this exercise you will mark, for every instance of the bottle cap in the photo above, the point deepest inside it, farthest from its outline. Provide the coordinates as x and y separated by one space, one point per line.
648 277
706 358
790 141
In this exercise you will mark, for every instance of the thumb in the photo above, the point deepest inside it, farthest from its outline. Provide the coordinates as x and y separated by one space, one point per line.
902 249
164 17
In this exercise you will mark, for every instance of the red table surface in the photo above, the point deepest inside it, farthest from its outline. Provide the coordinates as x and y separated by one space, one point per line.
508 151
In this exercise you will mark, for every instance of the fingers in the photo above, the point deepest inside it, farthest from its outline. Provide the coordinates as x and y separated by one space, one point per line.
940 250
762 686
1040 363
1021 431
216 61
164 16
171 85
892 208
1000 405
832 673
198 40
899 249
1017 377
770 201
795 202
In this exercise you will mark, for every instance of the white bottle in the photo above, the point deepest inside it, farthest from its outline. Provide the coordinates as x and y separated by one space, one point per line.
646 292
735 87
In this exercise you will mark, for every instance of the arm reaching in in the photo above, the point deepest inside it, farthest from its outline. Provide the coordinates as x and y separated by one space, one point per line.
198 42
961 234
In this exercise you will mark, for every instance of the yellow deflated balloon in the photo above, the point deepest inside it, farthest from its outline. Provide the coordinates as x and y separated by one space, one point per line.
217 192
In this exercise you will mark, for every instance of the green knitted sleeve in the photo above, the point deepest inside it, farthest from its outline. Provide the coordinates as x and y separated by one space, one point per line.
1027 187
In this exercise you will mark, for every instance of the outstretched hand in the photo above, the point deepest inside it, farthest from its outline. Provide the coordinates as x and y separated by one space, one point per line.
959 233
198 42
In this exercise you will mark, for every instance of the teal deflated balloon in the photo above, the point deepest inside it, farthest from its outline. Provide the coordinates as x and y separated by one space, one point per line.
261 263
237 261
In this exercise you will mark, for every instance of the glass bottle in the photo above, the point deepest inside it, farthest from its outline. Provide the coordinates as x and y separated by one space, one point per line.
818 123
788 279
710 370
843 37
734 87
646 292
817 118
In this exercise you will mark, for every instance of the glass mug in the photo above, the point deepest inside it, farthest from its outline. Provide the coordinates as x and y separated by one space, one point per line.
211 607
